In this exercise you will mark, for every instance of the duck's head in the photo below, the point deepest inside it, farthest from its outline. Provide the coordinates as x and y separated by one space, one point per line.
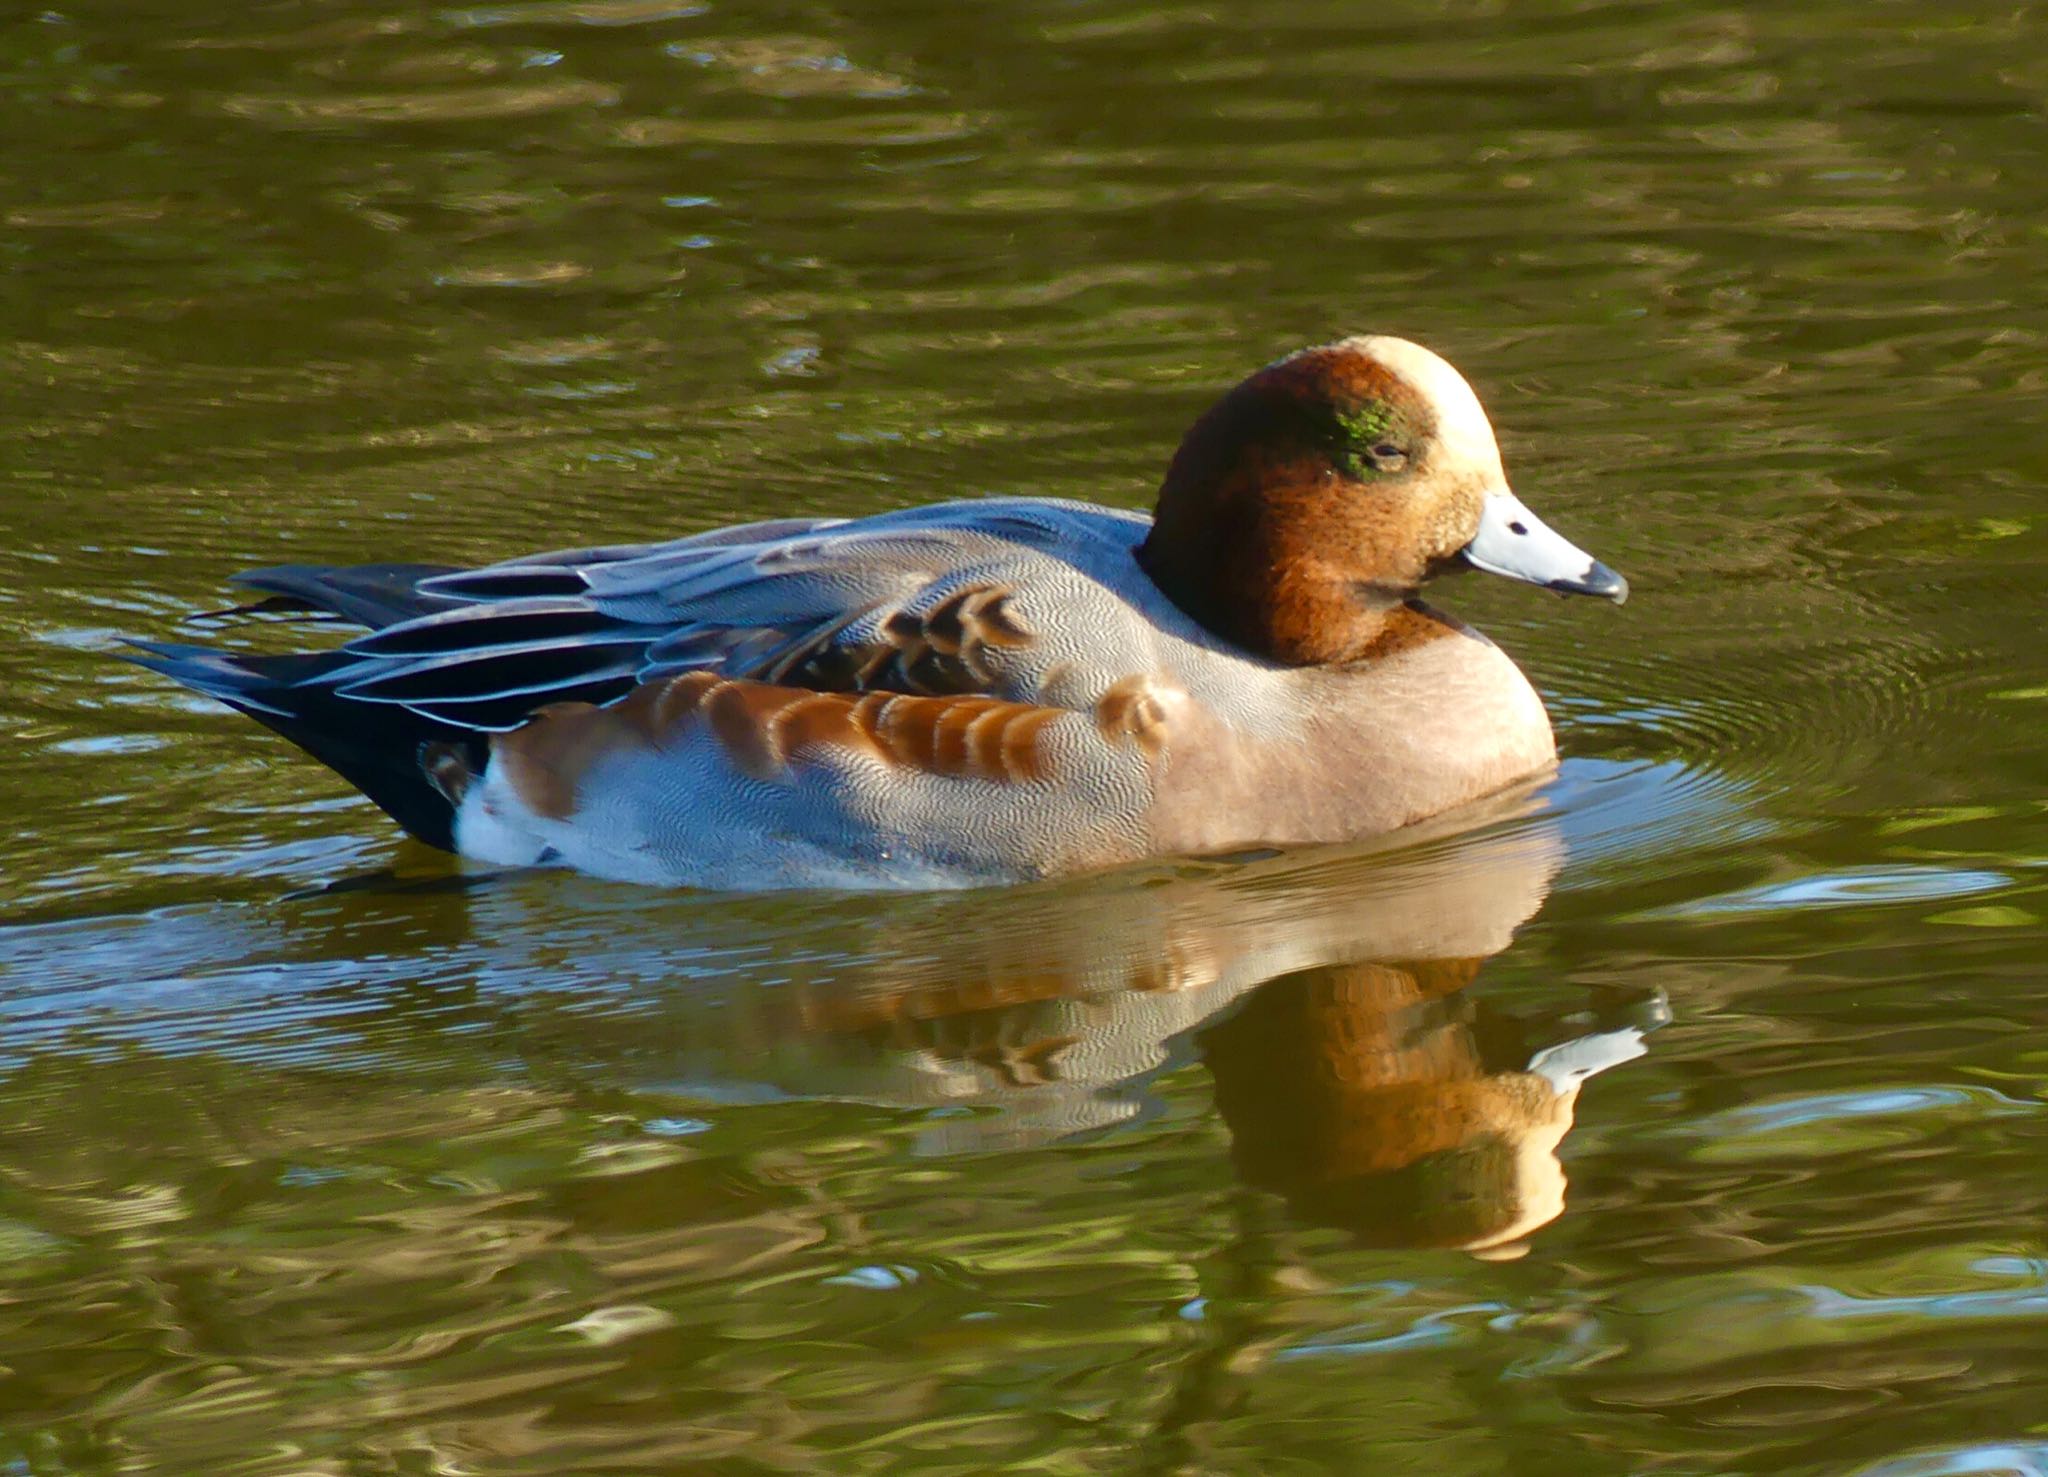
1320 494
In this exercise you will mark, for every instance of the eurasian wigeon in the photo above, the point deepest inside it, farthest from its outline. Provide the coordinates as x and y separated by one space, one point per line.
970 692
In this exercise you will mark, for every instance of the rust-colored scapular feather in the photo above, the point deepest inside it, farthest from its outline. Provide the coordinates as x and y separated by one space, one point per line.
766 730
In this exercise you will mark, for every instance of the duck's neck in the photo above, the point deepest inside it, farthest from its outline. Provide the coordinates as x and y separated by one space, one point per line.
1246 554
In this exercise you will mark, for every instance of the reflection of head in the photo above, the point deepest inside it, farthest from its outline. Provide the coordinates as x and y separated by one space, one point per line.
1358 1093
1461 1196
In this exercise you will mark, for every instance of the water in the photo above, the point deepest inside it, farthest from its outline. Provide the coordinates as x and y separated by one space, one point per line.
317 1157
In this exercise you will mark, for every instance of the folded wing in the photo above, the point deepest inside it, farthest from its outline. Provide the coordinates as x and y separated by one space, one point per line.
934 601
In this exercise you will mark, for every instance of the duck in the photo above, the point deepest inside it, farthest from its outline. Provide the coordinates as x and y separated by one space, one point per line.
975 692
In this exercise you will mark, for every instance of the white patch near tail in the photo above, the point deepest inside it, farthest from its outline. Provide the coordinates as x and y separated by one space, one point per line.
493 825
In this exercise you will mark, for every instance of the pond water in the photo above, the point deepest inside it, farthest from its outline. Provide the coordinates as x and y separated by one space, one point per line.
1687 1116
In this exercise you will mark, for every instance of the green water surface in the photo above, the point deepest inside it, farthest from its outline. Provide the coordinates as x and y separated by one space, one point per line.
320 1156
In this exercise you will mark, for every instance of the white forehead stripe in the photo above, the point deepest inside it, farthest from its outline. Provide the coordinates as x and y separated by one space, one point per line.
1461 423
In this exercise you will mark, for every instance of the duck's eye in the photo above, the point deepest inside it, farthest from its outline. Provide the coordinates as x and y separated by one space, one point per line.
1387 457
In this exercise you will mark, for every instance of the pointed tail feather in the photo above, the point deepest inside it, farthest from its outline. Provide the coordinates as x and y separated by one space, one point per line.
377 747
221 674
373 595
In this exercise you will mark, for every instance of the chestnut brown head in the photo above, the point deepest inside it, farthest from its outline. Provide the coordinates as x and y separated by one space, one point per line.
1324 490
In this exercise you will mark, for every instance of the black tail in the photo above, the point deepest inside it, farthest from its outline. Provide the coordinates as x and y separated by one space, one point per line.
377 747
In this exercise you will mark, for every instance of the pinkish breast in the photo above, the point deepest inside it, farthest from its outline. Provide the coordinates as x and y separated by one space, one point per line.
1369 749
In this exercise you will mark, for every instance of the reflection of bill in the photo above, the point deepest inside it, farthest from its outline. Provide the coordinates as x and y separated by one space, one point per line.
1380 1098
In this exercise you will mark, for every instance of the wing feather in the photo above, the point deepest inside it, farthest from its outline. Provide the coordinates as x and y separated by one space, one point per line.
928 601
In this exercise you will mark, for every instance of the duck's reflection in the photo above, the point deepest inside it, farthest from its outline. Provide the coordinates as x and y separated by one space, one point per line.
1327 996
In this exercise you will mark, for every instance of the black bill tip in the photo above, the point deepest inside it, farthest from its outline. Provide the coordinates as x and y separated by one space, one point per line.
1597 580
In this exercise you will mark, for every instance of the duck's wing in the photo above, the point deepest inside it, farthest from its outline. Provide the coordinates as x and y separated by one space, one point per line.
1026 600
